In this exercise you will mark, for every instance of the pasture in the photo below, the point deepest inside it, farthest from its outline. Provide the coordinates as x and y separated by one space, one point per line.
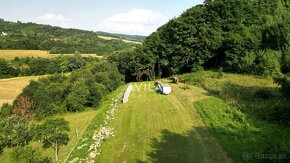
11 54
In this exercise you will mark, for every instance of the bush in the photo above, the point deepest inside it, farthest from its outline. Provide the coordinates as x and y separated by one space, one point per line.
28 155
285 85
5 110
78 96
268 62
286 61
219 74
247 64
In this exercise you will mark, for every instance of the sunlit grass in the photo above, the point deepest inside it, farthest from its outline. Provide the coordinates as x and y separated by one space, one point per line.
114 38
150 122
12 87
11 54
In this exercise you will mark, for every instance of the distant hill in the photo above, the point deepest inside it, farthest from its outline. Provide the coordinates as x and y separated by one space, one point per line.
31 36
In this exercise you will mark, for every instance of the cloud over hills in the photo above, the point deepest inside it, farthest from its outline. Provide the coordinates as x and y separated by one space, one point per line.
136 21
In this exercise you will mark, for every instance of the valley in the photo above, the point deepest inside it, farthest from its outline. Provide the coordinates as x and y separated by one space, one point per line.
223 67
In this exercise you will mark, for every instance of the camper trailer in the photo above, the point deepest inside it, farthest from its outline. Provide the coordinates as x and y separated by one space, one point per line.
164 88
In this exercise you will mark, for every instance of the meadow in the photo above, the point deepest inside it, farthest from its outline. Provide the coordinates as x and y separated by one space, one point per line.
240 116
12 87
218 119
158 128
11 54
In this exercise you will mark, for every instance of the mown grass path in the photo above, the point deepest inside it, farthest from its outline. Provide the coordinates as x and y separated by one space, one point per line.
159 128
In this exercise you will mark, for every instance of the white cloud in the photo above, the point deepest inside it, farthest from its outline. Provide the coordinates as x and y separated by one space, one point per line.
55 20
137 21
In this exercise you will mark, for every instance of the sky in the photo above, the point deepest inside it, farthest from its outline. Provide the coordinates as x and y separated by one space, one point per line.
139 17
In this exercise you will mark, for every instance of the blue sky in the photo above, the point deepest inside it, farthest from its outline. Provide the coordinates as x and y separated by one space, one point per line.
120 16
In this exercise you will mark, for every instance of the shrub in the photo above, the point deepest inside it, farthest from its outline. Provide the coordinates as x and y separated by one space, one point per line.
28 155
285 85
268 62
5 110
219 74
78 96
247 62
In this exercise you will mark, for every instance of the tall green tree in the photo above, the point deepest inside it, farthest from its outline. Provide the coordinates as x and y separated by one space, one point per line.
54 133
14 132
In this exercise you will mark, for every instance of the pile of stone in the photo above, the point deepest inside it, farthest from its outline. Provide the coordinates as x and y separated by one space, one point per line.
101 135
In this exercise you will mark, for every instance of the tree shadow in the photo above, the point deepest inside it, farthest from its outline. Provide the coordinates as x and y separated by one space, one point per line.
253 100
193 146
198 145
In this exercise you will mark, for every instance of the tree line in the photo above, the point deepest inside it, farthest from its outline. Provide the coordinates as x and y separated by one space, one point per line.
61 93
39 66
22 123
236 35
55 39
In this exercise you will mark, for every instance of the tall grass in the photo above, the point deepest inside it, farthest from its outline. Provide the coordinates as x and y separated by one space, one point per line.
238 115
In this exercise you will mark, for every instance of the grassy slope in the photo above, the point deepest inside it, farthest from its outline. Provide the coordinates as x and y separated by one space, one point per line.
12 87
11 54
235 116
82 121
153 127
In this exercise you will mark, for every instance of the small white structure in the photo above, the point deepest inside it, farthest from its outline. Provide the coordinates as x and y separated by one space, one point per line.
164 88
3 34
127 93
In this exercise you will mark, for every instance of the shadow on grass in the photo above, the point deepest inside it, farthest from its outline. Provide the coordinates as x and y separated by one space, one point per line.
198 146
254 100
192 146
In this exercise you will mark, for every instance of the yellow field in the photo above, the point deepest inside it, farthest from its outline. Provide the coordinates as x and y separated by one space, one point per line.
11 54
12 87
113 38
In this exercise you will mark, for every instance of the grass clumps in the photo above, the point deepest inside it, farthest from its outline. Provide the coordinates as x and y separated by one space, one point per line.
248 115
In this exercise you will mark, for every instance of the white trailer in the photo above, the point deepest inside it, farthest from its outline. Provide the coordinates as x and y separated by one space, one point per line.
164 88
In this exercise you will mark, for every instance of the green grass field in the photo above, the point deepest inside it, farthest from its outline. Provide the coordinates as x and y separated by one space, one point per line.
11 54
159 128
239 119
218 119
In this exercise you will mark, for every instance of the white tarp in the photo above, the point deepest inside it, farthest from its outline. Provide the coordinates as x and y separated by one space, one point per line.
127 93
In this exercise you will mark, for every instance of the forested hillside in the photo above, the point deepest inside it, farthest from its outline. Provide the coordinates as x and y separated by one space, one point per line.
55 39
235 35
